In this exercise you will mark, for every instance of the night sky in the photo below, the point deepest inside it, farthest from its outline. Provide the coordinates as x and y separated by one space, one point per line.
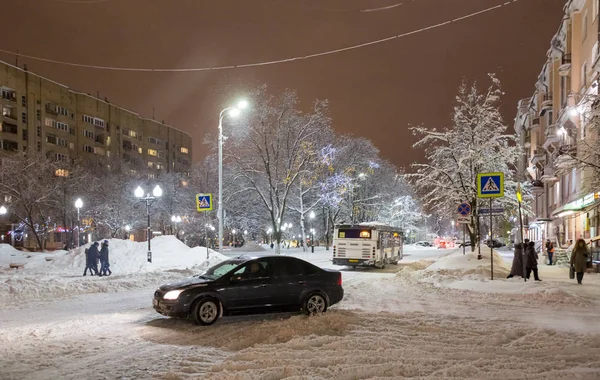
375 92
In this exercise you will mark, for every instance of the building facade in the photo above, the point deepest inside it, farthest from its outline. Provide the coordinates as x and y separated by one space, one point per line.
552 122
67 125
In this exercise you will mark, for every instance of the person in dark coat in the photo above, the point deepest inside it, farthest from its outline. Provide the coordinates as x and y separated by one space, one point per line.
517 264
531 261
579 259
104 265
91 257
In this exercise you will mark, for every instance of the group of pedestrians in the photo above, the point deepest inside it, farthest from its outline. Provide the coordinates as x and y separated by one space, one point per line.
531 261
93 255
578 262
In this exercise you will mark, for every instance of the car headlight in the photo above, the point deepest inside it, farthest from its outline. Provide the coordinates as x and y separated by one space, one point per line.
172 295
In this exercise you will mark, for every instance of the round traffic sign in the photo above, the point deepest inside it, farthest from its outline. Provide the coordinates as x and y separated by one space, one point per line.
464 209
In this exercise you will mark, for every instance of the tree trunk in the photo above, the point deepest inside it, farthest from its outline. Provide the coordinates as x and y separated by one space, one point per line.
302 231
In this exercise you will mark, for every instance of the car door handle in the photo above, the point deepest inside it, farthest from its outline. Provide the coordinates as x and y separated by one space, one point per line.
262 285
301 282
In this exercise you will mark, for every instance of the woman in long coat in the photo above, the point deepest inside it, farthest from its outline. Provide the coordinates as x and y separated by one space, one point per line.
531 261
579 259
517 264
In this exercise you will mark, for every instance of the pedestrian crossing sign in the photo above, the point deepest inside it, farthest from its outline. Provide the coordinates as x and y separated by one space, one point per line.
204 202
490 185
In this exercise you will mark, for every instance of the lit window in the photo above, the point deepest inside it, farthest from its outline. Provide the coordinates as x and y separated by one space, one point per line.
150 164
365 234
152 152
183 150
184 183
61 173
139 150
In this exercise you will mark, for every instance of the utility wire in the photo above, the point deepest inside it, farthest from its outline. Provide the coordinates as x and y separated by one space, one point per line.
80 1
384 8
266 63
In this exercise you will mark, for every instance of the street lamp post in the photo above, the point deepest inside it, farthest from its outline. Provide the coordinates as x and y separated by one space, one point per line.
156 193
176 219
78 205
233 112
312 235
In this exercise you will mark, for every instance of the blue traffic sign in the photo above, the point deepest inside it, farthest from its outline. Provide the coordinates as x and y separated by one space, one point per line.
490 185
204 202
464 209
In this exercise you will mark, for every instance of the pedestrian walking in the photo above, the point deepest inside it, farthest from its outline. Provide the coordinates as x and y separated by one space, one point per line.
91 257
579 259
549 251
104 264
517 264
531 261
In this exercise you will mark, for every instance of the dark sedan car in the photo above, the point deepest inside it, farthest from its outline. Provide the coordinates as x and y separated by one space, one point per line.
248 285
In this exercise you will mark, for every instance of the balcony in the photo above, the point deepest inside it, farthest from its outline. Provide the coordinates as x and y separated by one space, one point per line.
9 113
549 175
535 123
566 157
547 101
538 158
51 109
552 140
537 187
565 68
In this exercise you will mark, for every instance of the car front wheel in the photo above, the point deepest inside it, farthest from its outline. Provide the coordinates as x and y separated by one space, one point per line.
315 303
206 312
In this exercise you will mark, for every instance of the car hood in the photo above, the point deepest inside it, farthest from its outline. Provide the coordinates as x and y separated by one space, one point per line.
185 283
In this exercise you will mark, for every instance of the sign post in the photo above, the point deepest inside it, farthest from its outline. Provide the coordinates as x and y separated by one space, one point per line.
464 210
490 185
204 202
520 199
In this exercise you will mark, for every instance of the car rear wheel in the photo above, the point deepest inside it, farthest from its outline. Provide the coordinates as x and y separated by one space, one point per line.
315 303
206 312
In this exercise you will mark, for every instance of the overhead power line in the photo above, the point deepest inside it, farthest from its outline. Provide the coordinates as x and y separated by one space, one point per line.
266 63
383 8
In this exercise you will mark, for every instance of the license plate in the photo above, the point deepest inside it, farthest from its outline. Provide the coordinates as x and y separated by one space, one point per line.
353 261
154 303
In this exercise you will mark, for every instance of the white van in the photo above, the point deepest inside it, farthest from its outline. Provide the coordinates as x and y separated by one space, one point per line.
367 244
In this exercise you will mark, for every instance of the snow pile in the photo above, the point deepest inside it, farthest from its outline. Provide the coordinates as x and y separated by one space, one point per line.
10 256
59 274
125 257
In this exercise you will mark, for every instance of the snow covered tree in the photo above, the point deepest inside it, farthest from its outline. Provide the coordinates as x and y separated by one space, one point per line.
271 150
28 180
110 200
475 143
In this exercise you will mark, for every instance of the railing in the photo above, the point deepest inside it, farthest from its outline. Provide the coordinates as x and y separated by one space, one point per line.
547 97
566 58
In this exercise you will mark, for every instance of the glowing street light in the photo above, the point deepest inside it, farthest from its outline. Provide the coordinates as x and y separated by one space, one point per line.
78 205
148 199
233 111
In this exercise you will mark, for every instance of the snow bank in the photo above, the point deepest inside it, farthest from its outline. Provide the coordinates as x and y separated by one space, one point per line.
58 274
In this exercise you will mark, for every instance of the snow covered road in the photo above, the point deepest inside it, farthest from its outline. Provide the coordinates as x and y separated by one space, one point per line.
389 325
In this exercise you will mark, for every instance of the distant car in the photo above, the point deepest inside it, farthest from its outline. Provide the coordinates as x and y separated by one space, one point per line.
465 244
424 244
249 285
494 243
442 244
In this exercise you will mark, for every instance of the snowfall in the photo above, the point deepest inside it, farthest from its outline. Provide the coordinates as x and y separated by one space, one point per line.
436 315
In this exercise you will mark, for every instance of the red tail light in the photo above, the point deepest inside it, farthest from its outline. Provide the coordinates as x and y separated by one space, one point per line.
339 282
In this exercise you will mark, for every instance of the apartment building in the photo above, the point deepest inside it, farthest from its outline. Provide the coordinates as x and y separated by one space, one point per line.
552 122
68 125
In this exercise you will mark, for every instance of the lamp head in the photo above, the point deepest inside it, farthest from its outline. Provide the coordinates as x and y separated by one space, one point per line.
157 192
242 104
139 192
78 203
234 112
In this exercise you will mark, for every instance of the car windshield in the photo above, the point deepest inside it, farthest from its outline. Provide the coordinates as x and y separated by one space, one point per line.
220 269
